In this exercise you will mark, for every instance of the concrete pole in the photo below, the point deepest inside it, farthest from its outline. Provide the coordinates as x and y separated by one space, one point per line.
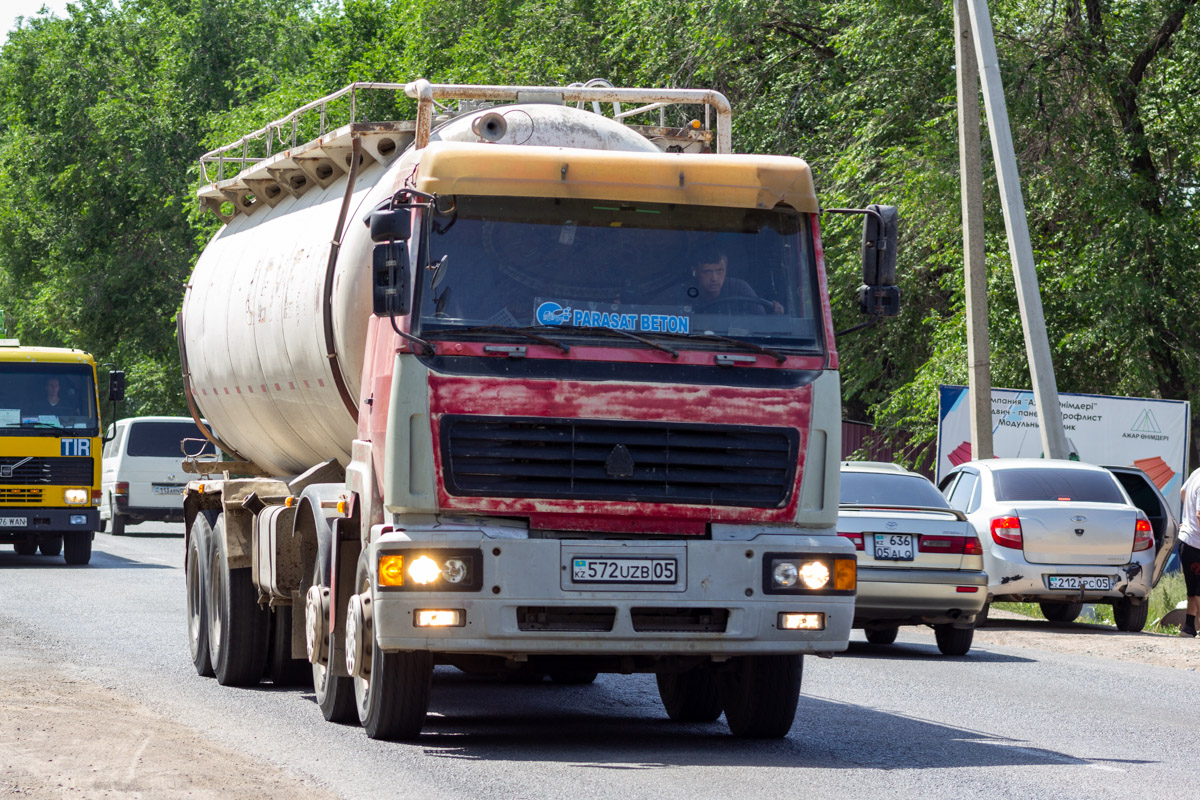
970 170
1037 345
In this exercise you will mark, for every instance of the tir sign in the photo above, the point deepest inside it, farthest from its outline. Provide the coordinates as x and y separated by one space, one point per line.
76 447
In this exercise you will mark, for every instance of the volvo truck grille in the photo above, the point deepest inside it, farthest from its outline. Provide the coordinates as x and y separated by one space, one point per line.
50 471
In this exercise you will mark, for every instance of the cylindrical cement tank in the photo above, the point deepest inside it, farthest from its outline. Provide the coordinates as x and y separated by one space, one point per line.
260 364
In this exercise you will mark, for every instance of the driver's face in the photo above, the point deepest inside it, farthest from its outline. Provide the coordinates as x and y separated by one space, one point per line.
711 278
52 387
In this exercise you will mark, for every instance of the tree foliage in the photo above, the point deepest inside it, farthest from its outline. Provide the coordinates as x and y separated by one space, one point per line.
106 110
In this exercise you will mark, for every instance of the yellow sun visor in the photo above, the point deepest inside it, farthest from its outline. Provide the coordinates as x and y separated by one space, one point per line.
733 181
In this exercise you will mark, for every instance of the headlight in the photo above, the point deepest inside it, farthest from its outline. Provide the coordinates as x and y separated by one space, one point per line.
786 573
433 570
424 570
77 497
815 575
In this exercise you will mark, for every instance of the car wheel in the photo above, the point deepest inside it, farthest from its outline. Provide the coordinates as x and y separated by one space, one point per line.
1129 617
953 641
1061 612
50 544
982 617
759 695
882 635
77 547
690 696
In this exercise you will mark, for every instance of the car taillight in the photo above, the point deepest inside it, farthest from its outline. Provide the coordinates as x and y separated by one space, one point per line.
973 547
1143 535
121 487
954 545
1006 532
857 538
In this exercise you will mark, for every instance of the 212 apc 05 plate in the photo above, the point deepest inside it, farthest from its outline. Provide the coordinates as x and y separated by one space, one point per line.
1094 582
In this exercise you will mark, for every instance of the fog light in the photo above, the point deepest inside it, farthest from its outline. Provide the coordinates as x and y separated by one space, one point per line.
802 622
815 575
77 497
785 574
454 570
424 570
78 519
438 618
391 570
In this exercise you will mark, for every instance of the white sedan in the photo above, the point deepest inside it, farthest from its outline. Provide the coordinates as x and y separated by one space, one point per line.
1059 533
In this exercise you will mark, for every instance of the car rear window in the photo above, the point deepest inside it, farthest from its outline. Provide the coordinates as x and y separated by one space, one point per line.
883 489
161 440
1057 484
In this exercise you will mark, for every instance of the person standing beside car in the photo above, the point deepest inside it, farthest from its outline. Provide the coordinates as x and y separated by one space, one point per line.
1189 549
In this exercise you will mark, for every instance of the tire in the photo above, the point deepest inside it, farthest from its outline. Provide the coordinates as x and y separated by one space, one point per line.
573 677
982 617
282 669
237 625
882 635
334 693
1129 617
392 700
51 544
77 547
196 577
26 548
1061 612
118 524
690 696
103 524
759 695
953 641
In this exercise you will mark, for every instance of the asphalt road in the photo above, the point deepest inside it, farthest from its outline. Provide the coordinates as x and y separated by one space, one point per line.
899 721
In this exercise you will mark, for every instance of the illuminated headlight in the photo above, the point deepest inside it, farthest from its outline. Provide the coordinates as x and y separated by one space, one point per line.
439 618
446 570
802 622
424 570
785 574
814 575
77 497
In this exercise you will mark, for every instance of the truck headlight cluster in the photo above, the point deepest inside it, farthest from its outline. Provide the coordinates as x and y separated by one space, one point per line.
431 570
788 573
77 497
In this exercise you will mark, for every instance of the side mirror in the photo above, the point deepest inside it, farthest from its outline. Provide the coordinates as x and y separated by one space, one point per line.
389 284
116 386
879 242
390 225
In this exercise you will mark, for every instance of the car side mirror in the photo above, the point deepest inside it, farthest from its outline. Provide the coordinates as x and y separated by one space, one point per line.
116 386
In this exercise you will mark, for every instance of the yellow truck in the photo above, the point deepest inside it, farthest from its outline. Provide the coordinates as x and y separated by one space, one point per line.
50 450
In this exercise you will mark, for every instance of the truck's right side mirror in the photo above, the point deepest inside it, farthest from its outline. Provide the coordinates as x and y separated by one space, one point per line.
879 295
116 386
390 230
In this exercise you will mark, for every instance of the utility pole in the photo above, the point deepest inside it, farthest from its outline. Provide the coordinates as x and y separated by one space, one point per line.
1037 345
970 170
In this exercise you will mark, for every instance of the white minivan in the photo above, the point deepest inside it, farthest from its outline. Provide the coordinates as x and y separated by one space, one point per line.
141 473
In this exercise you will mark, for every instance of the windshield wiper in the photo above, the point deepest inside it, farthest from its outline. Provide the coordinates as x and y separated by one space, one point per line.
606 330
716 337
44 426
500 329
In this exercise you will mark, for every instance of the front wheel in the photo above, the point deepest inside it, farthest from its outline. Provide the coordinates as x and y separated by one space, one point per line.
77 547
690 696
760 695
334 693
29 547
1130 617
953 641
51 544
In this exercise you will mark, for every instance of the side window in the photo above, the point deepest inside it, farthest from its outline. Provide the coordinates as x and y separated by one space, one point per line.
947 485
976 496
960 496
112 446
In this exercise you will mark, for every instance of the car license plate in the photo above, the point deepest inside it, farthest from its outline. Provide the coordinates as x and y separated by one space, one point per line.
893 547
623 570
167 489
14 522
1095 582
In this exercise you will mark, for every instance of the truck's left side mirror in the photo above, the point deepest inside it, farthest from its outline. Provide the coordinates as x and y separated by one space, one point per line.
116 386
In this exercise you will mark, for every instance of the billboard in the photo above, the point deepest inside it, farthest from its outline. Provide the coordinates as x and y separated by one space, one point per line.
1114 431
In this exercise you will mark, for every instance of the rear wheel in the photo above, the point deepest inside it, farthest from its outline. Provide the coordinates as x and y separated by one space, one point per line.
690 696
28 547
334 693
760 694
197 593
77 547
118 524
1061 612
982 617
282 669
882 635
953 641
51 544
1130 617
237 625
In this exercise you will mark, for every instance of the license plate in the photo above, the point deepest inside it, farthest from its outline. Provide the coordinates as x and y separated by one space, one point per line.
14 522
893 547
1095 582
161 489
623 570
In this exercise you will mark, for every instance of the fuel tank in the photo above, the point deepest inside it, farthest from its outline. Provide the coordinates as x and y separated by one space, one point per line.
272 329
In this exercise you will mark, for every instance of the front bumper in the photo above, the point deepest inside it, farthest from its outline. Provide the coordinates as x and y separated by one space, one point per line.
918 596
527 603
16 522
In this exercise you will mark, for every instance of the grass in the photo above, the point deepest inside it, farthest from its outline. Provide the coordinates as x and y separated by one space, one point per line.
1169 592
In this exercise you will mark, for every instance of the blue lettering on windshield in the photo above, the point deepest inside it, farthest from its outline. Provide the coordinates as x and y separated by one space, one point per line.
550 312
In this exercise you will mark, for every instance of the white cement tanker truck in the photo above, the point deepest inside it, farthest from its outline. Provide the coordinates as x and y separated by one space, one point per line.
521 387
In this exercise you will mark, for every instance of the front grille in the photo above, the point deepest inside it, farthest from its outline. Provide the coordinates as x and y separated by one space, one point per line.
657 462
20 495
565 618
690 620
66 471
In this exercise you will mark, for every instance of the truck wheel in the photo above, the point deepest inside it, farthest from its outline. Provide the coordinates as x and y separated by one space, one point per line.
282 669
760 694
334 693
1129 617
51 544
885 634
197 593
28 547
77 547
118 523
690 696
953 641
1061 612
237 625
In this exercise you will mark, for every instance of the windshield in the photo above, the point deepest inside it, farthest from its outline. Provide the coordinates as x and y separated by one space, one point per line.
660 271
47 397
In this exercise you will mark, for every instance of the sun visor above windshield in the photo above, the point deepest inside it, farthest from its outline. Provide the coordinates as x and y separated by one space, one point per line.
736 181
